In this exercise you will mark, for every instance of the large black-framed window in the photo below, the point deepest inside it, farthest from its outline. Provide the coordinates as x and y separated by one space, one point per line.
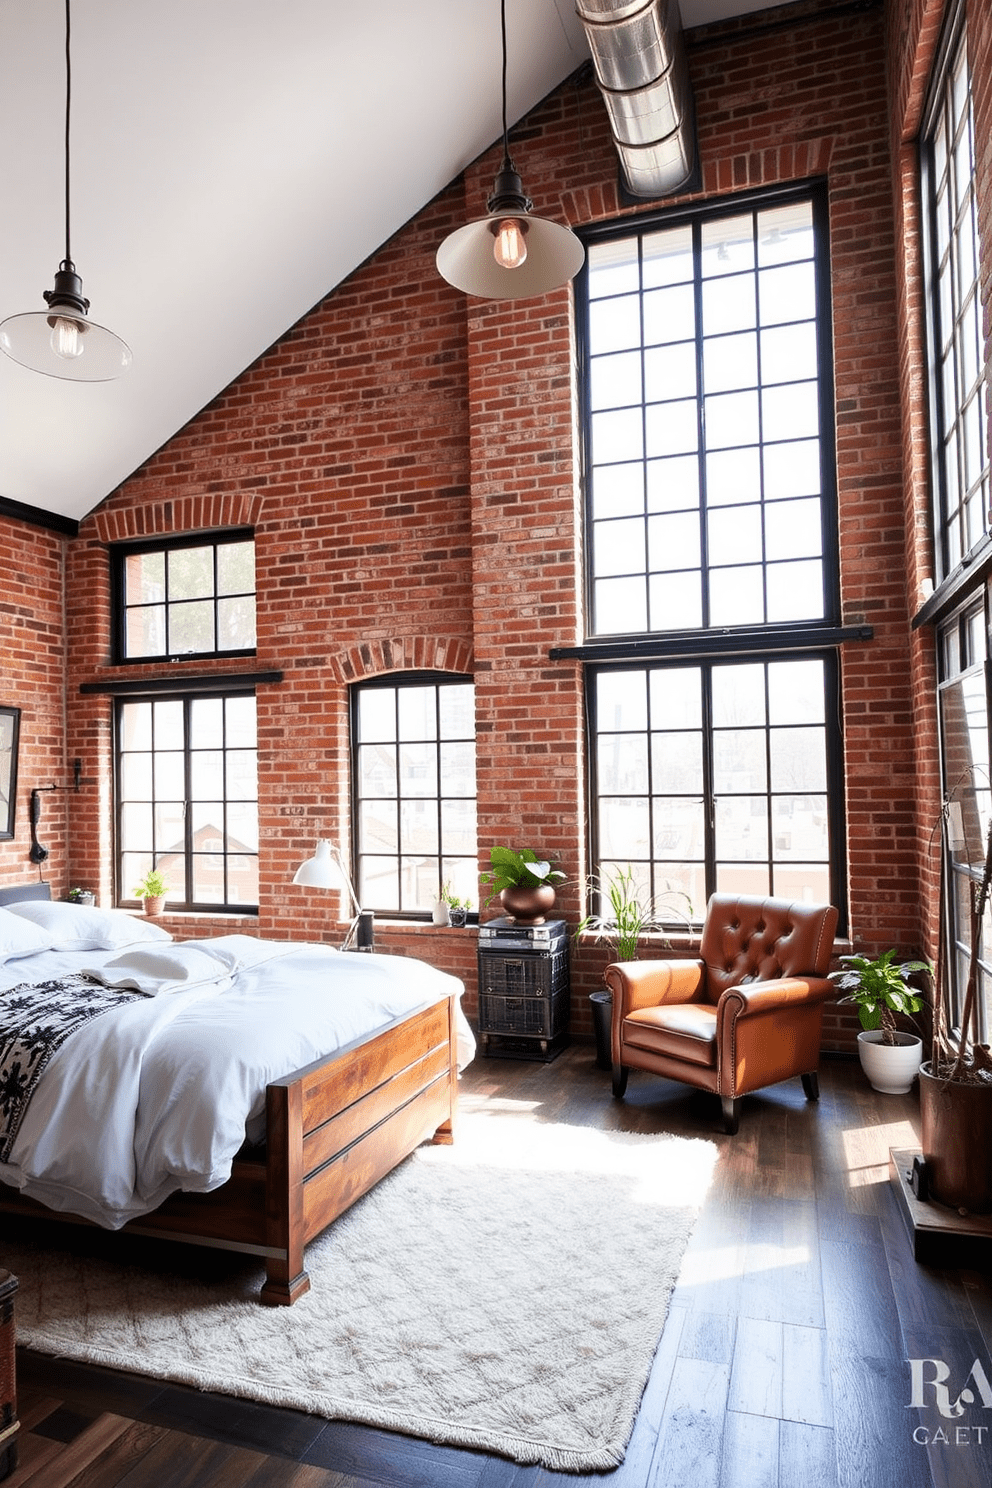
719 774
711 552
414 791
187 797
965 681
707 400
958 383
185 596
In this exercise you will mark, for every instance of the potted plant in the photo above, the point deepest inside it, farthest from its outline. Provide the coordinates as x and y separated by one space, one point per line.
81 896
880 989
152 890
522 882
458 908
956 1081
630 916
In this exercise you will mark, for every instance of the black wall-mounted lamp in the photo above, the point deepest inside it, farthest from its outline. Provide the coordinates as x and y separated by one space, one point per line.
38 854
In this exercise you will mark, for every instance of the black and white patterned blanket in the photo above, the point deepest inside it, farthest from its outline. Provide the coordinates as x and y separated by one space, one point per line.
35 1021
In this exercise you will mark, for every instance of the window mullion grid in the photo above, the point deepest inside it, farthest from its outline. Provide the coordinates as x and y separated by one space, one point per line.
225 779
709 793
761 416
166 604
439 858
649 764
769 829
952 334
188 798
644 430
697 300
399 798
215 607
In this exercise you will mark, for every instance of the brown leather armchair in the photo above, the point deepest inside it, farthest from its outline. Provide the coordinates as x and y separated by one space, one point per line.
747 1014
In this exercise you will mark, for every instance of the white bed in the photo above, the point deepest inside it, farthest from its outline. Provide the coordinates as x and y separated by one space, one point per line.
158 1095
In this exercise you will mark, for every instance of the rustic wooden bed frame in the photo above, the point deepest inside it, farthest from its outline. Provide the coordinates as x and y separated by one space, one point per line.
333 1130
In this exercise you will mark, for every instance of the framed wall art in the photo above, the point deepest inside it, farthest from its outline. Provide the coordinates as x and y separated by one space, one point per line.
10 720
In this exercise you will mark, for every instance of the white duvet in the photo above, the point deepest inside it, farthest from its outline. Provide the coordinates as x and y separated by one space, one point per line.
159 1094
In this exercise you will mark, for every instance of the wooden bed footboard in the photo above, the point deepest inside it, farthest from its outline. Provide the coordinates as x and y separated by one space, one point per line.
333 1130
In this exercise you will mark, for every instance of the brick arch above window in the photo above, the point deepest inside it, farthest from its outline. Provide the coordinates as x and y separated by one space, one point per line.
180 514
801 160
405 654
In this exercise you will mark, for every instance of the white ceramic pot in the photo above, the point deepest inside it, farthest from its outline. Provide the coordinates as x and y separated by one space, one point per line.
439 912
890 1068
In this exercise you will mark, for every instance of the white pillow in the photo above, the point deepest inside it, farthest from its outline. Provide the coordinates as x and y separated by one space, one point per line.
76 927
19 937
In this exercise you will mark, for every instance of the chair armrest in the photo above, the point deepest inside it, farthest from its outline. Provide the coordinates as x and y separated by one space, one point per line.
753 998
637 984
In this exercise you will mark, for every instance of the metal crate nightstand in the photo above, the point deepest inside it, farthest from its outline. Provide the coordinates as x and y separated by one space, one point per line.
523 989
8 1389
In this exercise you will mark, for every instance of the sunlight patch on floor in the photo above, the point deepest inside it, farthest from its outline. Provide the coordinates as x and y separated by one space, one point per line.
866 1150
665 1171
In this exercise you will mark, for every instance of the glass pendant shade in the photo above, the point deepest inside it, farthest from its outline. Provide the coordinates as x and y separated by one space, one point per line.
61 340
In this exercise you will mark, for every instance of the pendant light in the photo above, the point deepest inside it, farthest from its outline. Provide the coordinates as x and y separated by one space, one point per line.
509 255
62 341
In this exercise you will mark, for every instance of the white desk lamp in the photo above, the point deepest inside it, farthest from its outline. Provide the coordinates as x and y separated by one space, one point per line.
325 870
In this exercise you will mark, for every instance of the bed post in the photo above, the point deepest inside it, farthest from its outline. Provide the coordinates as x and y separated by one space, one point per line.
445 1134
285 1277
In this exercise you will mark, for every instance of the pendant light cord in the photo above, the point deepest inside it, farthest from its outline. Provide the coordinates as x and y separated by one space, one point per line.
506 139
67 261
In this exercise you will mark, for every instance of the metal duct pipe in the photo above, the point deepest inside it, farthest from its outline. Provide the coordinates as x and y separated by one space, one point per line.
638 55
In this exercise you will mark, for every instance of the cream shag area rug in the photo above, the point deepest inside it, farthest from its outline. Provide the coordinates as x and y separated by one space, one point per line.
505 1294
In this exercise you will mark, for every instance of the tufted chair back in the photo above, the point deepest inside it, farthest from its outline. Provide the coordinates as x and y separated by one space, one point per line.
756 940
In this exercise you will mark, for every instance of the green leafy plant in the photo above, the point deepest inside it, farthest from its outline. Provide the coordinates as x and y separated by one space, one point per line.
76 895
880 990
511 869
631 915
152 886
449 897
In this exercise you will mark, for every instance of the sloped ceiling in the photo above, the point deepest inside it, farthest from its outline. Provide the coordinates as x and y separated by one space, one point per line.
232 161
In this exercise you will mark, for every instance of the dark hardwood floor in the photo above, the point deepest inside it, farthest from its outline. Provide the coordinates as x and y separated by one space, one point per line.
784 1361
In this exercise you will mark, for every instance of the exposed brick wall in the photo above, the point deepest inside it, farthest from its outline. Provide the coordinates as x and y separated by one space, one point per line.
409 462
32 667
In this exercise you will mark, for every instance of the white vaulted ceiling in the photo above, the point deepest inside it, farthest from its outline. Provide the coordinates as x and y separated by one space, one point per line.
232 161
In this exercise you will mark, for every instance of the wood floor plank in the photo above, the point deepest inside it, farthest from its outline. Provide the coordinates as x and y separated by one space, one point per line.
750 1452
279 1472
179 1460
756 1375
807 1456
33 1406
120 1458
690 1443
781 1280
235 1421
859 1320
70 1463
806 1391
873 1430
708 1335
34 1454
392 1459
